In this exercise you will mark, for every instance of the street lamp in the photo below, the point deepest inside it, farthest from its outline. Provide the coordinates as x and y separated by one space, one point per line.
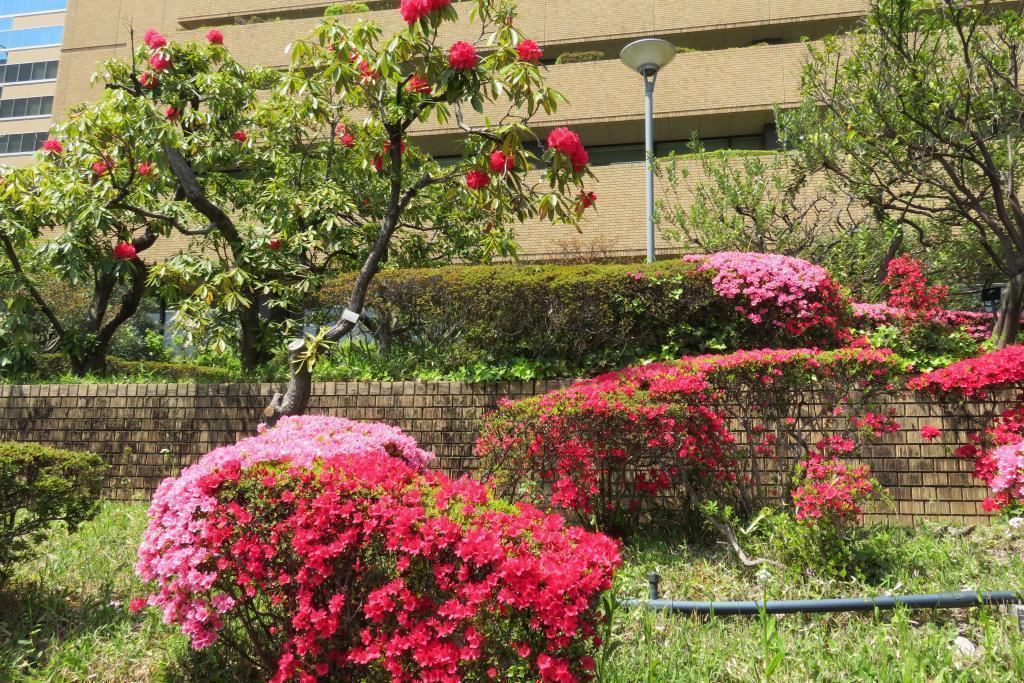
647 56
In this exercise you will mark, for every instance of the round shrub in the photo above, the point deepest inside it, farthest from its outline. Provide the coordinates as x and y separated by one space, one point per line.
339 557
41 486
622 447
975 378
785 299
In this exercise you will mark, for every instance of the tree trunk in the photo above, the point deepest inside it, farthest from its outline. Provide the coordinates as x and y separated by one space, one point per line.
1010 307
252 349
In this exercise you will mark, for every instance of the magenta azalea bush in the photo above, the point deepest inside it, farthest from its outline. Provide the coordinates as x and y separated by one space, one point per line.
789 299
324 549
623 447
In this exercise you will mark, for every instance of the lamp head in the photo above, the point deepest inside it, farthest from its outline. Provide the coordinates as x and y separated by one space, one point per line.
647 56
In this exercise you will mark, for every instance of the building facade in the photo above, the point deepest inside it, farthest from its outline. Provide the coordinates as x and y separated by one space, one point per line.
30 39
738 60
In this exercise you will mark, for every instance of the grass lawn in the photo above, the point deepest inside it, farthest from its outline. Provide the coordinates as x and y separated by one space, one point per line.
65 616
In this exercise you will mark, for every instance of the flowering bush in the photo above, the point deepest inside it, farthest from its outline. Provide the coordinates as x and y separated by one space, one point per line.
340 558
827 491
792 300
654 438
976 377
909 291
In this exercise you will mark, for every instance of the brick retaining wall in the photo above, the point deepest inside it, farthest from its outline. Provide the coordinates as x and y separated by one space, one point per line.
148 432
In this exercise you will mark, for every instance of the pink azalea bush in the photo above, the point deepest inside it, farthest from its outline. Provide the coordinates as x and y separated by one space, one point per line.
792 299
327 543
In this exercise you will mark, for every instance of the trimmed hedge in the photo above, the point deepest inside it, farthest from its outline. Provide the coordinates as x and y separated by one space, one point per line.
564 318
41 486
579 57
51 365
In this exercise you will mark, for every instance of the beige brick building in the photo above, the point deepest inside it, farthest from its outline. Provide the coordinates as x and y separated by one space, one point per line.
740 59
30 39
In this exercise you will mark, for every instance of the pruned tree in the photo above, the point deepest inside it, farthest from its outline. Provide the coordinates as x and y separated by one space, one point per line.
918 115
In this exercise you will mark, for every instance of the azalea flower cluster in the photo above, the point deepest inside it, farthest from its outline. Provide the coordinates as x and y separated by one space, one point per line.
346 560
650 437
795 298
976 324
830 491
976 378
909 290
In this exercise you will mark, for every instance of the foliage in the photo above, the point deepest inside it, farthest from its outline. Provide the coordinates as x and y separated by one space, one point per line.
786 300
765 201
343 559
342 8
42 486
579 57
569 318
625 448
926 72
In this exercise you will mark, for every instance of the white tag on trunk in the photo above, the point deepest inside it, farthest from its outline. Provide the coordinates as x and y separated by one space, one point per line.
350 316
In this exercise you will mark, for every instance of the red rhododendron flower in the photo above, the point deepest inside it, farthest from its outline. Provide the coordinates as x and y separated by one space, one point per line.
145 168
154 39
366 72
274 244
52 146
418 85
476 180
240 135
159 62
462 56
101 167
528 51
413 10
378 163
124 251
343 137
172 114
501 162
148 80
931 433
587 199
568 143
215 37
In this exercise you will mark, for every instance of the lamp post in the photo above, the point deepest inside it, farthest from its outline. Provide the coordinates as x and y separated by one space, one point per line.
647 56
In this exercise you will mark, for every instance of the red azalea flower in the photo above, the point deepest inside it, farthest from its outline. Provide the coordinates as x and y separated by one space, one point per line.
931 433
215 37
136 605
476 180
343 137
587 199
240 135
124 251
145 168
274 244
418 85
101 167
462 56
160 62
501 162
528 51
154 39
378 163
172 114
367 73
52 146
148 80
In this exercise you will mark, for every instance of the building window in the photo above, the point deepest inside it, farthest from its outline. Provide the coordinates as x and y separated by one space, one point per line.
22 107
8 7
28 72
21 143
31 37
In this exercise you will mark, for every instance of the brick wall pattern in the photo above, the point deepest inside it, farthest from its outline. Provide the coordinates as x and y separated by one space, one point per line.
149 432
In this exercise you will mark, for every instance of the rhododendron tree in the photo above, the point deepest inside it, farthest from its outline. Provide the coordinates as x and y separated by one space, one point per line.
320 158
786 300
339 557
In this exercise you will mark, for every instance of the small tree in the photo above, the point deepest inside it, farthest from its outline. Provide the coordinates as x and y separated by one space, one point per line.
71 215
918 115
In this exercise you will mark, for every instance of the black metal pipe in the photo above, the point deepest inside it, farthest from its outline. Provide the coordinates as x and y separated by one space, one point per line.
754 607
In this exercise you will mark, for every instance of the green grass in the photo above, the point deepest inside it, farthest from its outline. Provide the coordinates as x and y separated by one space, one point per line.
65 616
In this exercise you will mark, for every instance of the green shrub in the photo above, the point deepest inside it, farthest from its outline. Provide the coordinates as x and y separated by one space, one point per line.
41 486
579 57
49 366
564 319
346 8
